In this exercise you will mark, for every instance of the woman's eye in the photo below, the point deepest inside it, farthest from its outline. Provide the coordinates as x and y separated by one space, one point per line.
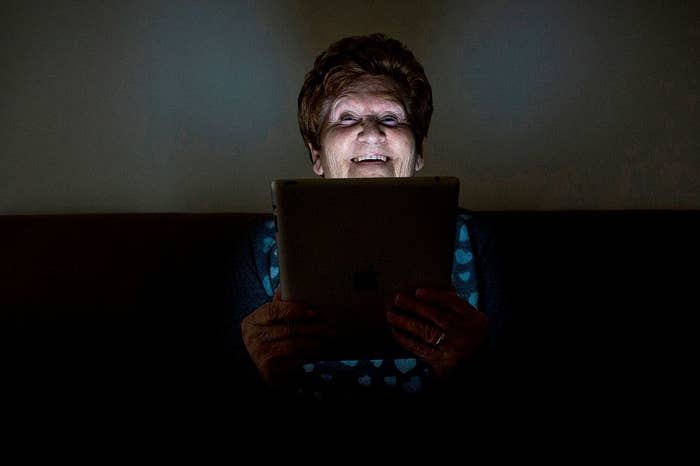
347 119
390 120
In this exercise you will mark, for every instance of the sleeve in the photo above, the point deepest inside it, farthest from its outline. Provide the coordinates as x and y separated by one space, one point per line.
489 271
475 379
248 294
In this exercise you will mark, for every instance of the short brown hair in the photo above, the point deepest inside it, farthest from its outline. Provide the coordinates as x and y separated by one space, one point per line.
352 57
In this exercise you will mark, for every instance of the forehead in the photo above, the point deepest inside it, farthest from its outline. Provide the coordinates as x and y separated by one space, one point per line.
369 91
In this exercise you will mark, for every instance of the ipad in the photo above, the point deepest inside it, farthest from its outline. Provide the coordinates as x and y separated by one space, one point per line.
347 246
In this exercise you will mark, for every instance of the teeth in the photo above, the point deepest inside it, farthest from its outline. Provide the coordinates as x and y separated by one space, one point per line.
369 157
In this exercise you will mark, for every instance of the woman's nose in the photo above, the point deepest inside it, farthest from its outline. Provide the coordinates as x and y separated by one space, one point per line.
371 131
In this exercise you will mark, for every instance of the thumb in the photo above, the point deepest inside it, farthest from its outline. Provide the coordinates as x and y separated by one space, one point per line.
278 295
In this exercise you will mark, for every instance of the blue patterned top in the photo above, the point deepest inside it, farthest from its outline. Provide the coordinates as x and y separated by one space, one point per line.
410 375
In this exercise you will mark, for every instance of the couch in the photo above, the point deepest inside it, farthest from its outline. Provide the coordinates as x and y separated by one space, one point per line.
136 304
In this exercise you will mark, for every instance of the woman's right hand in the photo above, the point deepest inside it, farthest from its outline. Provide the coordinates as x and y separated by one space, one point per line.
281 335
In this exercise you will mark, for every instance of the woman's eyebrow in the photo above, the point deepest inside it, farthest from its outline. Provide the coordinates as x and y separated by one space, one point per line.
348 104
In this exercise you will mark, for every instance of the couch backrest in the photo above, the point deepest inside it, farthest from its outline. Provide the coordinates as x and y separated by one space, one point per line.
57 265
91 262
147 288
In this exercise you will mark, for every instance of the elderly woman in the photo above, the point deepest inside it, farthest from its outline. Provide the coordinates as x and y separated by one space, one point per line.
364 111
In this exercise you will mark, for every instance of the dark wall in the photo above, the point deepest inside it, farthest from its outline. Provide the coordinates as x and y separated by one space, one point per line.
190 106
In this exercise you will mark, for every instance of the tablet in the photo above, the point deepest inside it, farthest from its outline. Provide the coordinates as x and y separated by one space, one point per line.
347 246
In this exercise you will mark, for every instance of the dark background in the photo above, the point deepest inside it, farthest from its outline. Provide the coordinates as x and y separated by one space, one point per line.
183 106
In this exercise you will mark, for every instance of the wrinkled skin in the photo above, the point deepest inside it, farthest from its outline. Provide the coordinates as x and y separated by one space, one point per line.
280 336
437 326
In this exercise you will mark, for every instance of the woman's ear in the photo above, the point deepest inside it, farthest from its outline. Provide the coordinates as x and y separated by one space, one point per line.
315 159
419 158
419 163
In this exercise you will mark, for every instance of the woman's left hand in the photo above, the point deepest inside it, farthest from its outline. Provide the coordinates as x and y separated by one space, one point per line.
437 326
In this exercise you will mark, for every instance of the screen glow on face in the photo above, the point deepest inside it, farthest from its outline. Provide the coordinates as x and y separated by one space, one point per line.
366 134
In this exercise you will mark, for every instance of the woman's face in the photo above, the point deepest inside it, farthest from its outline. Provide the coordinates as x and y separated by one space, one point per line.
366 134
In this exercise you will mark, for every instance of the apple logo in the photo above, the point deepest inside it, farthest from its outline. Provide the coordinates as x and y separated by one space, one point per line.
366 280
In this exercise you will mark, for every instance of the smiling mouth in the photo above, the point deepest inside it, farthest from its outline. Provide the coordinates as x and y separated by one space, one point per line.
374 158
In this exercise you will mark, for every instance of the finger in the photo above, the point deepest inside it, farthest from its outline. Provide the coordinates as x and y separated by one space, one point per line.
277 311
423 331
445 299
279 360
418 348
278 296
410 304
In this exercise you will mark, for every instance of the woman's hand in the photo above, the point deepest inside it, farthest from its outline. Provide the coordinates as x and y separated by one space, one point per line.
280 336
437 326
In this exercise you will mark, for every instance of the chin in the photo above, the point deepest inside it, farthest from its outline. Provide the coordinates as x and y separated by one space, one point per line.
378 175
382 172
